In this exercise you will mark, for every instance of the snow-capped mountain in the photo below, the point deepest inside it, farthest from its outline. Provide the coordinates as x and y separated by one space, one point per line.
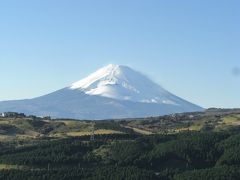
113 91
123 83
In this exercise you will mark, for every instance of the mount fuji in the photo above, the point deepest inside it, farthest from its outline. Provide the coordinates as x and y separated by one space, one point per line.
113 91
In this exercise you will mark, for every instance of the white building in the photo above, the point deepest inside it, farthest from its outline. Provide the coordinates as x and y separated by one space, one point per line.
2 114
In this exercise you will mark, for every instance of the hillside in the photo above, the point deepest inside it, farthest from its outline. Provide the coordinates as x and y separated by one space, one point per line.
31 127
176 147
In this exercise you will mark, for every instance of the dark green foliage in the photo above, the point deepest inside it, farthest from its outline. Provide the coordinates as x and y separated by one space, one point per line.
65 151
126 153
220 173
182 151
9 129
189 155
186 152
107 173
231 151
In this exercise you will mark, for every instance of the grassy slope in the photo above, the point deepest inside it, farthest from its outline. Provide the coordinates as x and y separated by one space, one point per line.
207 121
25 128
28 128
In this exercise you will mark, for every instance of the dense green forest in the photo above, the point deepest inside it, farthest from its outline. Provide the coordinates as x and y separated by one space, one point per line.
204 145
188 155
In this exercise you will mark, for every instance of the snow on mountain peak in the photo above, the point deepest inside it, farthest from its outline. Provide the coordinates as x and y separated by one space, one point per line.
105 75
113 91
123 83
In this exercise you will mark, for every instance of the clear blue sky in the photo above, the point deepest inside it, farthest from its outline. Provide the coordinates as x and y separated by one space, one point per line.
192 48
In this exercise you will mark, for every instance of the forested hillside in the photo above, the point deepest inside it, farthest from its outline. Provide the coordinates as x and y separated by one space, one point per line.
122 151
189 155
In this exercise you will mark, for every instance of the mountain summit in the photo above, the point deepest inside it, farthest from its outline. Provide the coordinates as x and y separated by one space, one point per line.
123 83
113 91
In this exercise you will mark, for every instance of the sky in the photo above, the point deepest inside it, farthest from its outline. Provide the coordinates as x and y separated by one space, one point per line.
191 48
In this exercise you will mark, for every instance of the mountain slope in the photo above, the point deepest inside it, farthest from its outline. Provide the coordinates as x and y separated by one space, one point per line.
112 92
124 83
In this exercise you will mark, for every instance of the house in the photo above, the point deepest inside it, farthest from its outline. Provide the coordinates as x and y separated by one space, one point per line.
13 115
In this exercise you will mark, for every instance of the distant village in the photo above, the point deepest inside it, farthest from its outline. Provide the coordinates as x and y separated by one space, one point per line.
12 115
22 115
